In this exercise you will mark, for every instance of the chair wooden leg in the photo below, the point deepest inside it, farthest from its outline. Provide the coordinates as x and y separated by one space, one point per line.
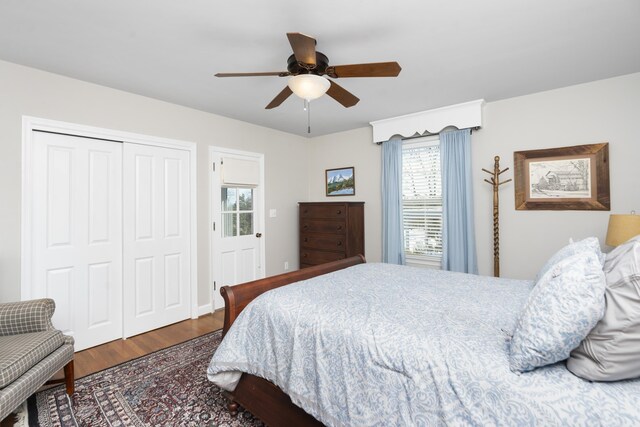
68 378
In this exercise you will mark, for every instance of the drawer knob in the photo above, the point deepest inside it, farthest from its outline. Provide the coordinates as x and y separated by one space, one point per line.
306 239
339 211
305 226
339 227
304 255
339 243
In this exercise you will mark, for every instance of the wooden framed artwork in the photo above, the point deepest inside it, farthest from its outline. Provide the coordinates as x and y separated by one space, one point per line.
340 182
566 178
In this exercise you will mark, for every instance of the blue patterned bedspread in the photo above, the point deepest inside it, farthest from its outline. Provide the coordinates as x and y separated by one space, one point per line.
381 345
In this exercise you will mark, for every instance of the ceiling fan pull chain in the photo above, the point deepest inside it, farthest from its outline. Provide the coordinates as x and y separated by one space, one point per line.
308 116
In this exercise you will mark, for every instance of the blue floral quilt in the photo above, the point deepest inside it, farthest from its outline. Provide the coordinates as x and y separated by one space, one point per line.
382 345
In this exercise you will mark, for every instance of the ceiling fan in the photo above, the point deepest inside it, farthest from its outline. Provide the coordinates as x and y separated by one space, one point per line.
307 66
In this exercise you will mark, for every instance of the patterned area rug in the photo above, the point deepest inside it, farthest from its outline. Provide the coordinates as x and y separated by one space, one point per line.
166 388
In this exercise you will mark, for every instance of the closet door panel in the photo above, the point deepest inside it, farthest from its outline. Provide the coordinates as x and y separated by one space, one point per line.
99 197
173 274
143 285
77 234
98 293
156 244
172 198
143 197
59 287
60 165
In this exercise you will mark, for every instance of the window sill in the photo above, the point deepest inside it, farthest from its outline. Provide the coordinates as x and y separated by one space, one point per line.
423 262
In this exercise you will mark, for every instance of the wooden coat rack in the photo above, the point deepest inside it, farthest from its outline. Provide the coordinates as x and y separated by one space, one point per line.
495 182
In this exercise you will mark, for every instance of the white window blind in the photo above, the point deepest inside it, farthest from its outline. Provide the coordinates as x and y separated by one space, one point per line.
240 172
422 200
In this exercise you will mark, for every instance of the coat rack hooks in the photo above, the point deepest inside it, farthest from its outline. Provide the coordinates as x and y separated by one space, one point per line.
494 180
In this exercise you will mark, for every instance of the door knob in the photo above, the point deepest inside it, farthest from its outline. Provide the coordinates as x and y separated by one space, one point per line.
258 235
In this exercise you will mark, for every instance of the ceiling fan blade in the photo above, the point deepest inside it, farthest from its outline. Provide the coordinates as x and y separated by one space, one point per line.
279 99
342 95
304 47
374 69
269 73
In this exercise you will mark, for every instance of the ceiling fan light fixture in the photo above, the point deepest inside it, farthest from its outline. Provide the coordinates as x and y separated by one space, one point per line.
308 86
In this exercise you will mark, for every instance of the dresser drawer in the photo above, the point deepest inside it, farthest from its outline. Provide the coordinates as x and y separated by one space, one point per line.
330 231
312 257
330 242
329 211
322 226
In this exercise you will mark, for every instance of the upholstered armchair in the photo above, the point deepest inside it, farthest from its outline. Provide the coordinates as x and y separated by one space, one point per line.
31 352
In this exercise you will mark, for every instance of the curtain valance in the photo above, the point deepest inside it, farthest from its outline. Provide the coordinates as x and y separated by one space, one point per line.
462 116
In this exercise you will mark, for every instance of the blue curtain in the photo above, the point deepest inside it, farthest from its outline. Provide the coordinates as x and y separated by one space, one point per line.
392 229
458 234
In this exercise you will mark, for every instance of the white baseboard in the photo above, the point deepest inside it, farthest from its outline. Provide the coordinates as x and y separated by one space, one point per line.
205 309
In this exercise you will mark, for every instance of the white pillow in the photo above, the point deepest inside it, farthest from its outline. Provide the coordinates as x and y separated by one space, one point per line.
591 244
562 308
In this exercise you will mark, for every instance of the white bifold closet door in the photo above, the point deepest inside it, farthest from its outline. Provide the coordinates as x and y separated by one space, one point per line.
156 237
110 235
77 234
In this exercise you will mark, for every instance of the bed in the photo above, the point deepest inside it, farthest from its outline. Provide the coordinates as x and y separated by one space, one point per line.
355 343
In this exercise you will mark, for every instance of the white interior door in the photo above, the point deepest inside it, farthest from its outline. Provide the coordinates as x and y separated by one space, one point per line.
77 234
237 211
239 238
156 237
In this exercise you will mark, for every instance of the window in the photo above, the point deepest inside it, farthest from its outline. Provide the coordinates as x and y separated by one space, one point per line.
422 201
237 211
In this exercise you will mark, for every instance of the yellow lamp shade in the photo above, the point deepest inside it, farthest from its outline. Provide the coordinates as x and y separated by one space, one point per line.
622 228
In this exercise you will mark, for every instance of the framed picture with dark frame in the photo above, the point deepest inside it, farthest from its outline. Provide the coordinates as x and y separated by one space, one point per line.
566 178
340 181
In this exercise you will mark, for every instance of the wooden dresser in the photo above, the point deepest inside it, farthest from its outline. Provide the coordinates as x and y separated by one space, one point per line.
330 231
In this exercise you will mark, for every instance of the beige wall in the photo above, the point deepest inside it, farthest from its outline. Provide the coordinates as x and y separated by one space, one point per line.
26 91
599 111
606 110
345 149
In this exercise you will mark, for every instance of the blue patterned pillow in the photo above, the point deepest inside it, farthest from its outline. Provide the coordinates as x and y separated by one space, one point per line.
591 244
562 308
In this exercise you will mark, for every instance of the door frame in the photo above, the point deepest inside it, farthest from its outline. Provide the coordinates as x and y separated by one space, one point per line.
30 124
213 181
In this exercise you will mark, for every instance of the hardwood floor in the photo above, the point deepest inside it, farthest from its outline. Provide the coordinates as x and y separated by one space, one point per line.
113 353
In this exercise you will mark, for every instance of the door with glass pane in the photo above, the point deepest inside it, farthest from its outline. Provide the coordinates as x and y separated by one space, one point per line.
237 237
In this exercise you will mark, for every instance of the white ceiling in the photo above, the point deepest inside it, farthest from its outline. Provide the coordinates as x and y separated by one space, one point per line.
451 51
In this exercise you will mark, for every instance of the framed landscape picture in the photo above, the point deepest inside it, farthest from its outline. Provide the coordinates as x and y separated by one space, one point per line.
566 178
340 182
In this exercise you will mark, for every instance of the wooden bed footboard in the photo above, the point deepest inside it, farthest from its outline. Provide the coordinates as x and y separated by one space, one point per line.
257 395
237 297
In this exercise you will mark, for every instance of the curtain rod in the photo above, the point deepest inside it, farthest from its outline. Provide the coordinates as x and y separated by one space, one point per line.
476 128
